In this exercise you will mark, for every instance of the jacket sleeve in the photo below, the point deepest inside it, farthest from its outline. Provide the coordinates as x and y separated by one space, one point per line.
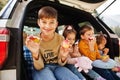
98 55
84 50
38 63
60 62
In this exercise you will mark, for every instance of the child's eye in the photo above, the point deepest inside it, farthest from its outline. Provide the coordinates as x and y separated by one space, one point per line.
51 22
44 22
71 39
89 34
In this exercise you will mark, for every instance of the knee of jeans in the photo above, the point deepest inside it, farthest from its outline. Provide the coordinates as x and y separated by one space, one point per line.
44 78
45 74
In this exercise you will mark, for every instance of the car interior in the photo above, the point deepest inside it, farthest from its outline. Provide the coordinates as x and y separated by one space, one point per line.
66 16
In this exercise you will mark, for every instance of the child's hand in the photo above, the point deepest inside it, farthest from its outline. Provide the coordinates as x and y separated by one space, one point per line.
64 53
64 50
105 50
32 44
92 43
116 69
76 51
92 40
76 48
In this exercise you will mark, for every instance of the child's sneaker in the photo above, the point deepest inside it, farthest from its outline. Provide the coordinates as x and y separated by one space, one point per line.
100 78
118 74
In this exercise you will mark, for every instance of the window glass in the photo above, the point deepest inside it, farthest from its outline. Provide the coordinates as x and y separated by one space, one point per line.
3 3
61 29
111 16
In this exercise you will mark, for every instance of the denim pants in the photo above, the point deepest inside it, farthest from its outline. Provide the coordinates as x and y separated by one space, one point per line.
54 72
107 74
92 74
75 71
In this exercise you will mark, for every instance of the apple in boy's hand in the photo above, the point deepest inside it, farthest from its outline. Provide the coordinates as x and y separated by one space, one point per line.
35 39
65 44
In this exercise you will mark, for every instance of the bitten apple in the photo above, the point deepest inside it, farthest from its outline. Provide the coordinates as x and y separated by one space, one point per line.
65 44
91 38
35 39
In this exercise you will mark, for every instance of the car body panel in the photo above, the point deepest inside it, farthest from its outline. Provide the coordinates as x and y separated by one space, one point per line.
3 74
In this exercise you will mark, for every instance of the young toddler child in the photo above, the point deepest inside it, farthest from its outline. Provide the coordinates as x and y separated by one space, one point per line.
110 64
101 43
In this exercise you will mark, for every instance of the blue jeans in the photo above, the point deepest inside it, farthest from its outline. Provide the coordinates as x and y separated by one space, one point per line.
54 72
75 71
92 74
107 74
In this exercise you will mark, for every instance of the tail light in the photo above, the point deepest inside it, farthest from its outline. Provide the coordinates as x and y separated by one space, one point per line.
4 40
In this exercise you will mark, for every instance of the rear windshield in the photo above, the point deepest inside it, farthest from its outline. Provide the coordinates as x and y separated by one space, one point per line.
111 16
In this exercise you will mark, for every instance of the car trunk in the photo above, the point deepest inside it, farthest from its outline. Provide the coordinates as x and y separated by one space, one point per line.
72 14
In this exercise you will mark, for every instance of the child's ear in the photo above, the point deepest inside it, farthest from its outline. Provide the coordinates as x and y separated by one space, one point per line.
38 22
82 37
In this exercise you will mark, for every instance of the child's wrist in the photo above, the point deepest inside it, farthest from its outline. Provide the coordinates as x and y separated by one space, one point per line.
63 60
118 69
92 49
36 57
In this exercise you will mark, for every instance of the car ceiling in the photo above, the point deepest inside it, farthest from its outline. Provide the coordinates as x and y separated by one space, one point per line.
66 15
87 5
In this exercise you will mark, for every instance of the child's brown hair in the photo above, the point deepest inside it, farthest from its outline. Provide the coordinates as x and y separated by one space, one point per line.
100 37
68 29
84 29
47 12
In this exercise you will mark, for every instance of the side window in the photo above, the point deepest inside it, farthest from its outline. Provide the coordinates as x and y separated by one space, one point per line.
61 29
3 3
